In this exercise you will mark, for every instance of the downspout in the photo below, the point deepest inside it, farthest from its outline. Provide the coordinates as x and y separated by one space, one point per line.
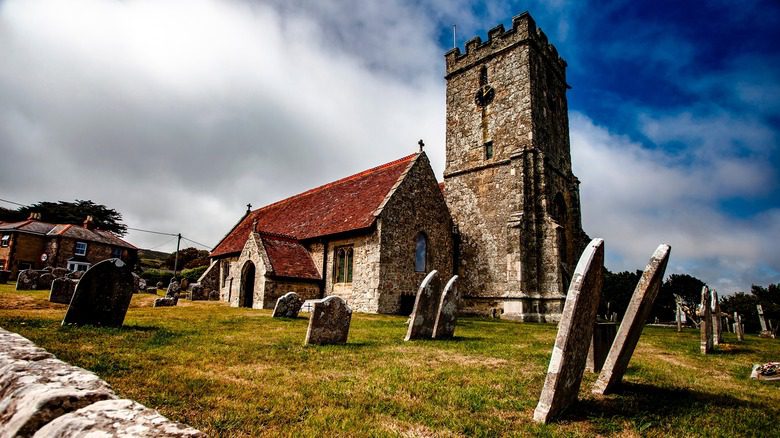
324 282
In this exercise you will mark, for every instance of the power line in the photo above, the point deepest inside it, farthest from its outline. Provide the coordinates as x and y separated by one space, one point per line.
12 202
153 232
197 243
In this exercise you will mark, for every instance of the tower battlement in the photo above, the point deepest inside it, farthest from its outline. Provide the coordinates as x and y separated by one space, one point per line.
523 31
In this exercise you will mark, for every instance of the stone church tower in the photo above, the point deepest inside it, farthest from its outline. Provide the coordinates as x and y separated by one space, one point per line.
508 178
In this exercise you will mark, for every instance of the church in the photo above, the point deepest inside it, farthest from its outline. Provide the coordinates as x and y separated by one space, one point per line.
506 219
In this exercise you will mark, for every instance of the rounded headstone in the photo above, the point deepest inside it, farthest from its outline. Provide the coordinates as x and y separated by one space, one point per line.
102 295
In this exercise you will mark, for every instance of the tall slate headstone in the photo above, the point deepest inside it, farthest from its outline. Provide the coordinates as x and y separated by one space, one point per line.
444 326
761 319
633 322
706 321
102 295
567 363
739 329
426 304
287 306
717 330
329 322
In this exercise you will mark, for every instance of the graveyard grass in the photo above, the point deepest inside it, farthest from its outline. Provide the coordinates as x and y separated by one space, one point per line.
238 372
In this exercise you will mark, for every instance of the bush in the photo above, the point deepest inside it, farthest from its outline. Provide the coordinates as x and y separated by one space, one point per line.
152 276
193 274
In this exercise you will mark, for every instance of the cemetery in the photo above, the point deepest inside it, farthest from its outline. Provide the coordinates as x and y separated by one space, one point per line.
225 371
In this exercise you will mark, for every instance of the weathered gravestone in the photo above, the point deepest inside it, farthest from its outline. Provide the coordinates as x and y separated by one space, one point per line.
633 322
60 272
173 289
765 329
739 329
4 276
160 285
171 297
567 363
329 322
44 281
62 290
76 275
118 418
27 280
603 336
444 326
151 290
717 330
706 321
213 295
426 305
288 306
102 295
198 293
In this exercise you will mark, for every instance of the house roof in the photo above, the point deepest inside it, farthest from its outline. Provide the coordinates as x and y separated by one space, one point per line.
289 258
348 204
78 232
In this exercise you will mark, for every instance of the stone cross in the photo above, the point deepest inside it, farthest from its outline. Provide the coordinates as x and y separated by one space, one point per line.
426 305
287 306
633 322
329 322
761 317
706 321
717 328
567 363
102 296
444 326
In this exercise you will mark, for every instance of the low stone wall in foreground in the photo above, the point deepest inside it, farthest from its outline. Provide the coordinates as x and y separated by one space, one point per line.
42 396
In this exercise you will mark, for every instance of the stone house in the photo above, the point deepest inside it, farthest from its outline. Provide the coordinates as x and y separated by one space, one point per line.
369 238
34 244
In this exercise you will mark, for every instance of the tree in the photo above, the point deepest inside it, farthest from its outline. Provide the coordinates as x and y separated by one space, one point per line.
188 258
744 304
684 285
617 291
70 213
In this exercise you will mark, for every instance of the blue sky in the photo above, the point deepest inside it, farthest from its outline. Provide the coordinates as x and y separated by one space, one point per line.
177 113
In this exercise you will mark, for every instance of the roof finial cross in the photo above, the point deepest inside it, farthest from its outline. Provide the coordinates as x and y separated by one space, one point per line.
422 144
248 208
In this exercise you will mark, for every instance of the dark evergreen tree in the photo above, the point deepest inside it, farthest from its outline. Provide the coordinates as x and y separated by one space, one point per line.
684 285
63 212
617 291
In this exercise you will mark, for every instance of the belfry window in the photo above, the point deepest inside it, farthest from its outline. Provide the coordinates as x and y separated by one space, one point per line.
420 253
343 265
483 76
488 149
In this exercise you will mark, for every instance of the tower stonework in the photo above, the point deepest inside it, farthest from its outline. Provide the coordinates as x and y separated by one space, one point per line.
508 178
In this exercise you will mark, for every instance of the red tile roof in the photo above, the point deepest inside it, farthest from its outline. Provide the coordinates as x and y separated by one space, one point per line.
68 230
289 258
345 205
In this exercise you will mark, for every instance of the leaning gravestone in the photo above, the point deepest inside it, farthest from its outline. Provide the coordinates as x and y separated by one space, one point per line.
102 295
575 330
603 336
59 272
198 293
44 281
329 322
706 321
633 322
287 306
62 290
426 305
444 326
739 329
717 330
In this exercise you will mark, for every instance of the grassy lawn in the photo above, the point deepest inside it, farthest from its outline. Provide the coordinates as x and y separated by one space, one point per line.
238 372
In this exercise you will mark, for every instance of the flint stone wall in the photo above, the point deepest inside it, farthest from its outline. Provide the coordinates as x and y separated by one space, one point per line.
42 396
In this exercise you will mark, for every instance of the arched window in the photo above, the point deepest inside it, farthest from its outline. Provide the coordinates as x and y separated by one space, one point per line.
420 253
343 265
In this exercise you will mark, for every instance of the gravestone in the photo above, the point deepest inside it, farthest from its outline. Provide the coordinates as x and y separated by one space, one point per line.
678 317
102 296
62 290
603 336
60 272
173 289
136 283
27 280
633 322
166 301
160 285
717 330
739 329
287 306
765 333
329 322
44 281
151 290
214 295
444 326
75 275
4 276
426 304
198 293
567 363
706 321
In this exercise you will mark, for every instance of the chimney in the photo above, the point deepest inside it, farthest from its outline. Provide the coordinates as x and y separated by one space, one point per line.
89 223
34 215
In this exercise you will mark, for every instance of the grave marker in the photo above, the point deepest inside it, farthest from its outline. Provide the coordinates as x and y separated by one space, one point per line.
287 306
329 322
633 322
575 330
444 326
102 296
706 321
426 304
62 290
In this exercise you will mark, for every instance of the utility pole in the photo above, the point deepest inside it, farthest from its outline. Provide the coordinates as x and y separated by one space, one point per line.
176 258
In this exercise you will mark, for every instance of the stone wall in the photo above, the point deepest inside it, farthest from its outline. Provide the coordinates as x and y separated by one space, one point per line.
253 253
517 211
416 206
362 294
275 288
42 396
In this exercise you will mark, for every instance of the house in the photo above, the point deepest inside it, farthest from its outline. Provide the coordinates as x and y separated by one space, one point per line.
369 238
34 244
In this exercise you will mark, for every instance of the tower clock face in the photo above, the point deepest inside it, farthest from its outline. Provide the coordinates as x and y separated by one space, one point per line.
484 95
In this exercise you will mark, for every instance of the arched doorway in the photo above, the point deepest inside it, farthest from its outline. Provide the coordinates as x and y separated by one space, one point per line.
247 285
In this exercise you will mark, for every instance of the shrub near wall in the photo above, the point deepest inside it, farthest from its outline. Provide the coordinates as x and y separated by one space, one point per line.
193 274
152 276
